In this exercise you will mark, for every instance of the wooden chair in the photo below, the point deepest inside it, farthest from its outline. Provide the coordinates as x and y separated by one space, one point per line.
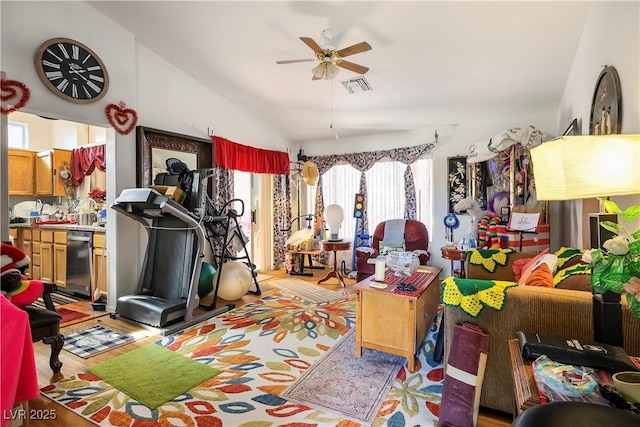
45 326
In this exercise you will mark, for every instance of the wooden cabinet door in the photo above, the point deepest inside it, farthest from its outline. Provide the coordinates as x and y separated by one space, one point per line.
60 258
100 270
100 263
21 168
44 173
61 160
46 261
60 265
27 248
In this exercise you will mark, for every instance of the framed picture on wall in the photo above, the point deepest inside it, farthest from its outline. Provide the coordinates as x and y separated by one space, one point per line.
457 180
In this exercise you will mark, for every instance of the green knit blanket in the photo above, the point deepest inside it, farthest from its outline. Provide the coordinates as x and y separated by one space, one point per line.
472 295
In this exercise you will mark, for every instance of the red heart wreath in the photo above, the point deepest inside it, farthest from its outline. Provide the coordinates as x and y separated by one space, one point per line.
122 119
14 95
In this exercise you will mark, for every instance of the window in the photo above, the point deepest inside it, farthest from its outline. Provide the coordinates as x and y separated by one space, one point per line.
339 186
18 135
385 192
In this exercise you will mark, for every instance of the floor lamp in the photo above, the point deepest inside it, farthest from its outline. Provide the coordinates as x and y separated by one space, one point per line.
588 166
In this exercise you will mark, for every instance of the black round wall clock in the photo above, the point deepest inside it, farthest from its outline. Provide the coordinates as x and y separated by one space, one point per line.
72 70
606 106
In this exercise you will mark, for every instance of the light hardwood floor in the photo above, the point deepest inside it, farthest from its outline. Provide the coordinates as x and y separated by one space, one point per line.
74 364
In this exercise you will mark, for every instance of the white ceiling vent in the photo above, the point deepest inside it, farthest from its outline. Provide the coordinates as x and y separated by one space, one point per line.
356 85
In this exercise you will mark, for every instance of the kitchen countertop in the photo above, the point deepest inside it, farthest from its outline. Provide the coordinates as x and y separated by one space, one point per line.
70 227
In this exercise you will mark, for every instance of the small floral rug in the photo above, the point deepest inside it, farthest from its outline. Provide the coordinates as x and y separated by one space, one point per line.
341 383
261 348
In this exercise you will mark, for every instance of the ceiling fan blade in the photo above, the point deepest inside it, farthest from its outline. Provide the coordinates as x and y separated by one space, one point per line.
353 67
352 50
312 44
293 61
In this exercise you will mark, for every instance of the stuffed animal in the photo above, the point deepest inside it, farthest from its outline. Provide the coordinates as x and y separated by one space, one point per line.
18 289
472 207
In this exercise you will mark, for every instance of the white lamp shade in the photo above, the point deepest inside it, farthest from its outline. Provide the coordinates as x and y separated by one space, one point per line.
580 167
333 216
318 71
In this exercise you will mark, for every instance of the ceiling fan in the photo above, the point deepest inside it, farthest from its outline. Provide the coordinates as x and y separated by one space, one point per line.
330 58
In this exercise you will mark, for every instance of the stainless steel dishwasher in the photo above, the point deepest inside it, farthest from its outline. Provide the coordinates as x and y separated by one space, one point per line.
79 263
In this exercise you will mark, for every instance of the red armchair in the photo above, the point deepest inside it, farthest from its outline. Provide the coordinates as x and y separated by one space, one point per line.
416 237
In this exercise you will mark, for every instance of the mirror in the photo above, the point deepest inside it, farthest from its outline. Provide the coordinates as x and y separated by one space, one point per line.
154 146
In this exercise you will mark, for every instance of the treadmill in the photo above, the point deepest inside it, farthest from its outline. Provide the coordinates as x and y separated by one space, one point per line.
167 290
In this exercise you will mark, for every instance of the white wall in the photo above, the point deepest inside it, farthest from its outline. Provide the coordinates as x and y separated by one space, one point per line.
163 96
611 37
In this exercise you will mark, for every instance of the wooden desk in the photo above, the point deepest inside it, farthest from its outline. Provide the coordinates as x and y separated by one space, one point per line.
395 323
524 386
335 247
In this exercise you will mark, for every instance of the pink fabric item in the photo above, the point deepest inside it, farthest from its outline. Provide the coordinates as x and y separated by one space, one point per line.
84 160
17 360
463 376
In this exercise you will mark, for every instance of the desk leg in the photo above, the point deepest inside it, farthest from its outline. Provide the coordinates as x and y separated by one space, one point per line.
301 271
334 273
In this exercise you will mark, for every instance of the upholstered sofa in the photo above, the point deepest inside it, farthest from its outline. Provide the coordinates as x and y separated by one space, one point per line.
553 311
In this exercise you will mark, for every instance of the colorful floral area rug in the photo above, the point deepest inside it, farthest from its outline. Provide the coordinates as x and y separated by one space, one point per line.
261 349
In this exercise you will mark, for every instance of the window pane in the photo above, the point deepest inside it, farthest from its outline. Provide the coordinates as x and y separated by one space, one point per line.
17 135
385 191
423 176
340 185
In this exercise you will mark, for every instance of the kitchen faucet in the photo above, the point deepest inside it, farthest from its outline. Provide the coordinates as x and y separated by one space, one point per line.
82 202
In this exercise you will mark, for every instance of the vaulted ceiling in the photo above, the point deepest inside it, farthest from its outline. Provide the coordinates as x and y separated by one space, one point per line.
432 63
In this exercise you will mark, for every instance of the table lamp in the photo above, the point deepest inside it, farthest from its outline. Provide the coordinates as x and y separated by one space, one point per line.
333 216
587 166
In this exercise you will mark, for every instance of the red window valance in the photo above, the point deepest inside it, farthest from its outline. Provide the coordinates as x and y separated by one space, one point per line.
232 155
84 160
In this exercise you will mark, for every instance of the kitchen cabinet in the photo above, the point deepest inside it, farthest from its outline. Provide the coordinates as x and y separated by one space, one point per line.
53 256
60 258
27 248
21 168
36 254
46 255
100 262
48 164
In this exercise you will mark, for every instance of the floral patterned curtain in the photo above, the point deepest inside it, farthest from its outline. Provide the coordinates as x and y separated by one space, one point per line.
363 162
281 217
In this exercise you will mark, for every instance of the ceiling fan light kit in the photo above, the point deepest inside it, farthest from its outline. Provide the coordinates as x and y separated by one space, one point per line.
330 59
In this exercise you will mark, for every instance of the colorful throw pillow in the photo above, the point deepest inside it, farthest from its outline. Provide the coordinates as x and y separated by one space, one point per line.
577 278
518 266
540 276
24 291
533 263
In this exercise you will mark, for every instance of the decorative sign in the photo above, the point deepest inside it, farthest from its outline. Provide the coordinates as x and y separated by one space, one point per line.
525 222
457 179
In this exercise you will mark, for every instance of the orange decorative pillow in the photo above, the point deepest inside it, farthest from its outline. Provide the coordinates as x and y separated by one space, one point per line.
541 276
527 269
